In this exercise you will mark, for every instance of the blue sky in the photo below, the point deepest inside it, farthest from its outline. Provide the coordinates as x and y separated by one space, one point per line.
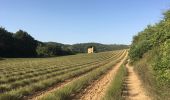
78 21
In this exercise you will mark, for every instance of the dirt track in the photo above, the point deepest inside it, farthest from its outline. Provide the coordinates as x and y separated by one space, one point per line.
98 88
40 94
134 87
100 84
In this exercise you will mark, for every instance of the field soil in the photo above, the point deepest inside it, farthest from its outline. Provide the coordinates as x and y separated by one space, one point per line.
40 94
134 89
98 88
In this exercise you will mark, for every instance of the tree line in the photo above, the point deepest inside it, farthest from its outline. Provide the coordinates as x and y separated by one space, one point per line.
155 42
21 44
98 47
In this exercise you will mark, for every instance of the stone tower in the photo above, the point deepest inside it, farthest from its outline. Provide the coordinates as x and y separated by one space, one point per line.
90 50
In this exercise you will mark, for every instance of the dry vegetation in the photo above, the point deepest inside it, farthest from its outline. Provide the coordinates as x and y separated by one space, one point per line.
29 78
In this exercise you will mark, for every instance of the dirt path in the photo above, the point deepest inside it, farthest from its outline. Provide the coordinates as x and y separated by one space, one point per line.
98 88
40 94
133 90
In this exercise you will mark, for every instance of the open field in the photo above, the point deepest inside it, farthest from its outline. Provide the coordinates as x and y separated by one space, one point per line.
39 78
98 76
85 50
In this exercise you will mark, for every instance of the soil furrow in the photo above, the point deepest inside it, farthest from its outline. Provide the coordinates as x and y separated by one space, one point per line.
54 88
40 94
98 88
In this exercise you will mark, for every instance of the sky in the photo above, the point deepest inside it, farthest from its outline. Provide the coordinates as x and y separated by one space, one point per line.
81 21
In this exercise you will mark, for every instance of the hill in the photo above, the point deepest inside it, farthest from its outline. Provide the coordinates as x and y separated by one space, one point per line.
82 47
66 49
22 44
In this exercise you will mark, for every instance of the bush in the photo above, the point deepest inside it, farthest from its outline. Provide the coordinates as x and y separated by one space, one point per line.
162 65
137 50
154 41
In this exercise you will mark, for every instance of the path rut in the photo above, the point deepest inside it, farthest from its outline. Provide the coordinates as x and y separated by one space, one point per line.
98 88
133 89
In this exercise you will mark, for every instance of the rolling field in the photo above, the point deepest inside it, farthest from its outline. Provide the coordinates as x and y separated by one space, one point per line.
84 50
56 78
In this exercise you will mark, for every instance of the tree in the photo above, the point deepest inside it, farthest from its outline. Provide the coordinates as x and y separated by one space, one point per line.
6 43
25 44
155 40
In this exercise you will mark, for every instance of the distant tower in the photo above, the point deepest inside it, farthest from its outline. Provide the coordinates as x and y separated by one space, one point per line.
90 50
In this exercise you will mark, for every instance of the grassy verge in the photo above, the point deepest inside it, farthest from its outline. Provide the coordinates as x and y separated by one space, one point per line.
115 89
144 69
74 87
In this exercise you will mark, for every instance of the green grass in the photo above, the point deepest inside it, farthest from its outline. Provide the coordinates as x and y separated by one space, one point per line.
147 75
114 91
76 86
22 76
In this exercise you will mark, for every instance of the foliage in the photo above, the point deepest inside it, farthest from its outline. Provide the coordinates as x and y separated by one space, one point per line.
25 44
82 47
138 50
48 50
162 64
155 40
20 44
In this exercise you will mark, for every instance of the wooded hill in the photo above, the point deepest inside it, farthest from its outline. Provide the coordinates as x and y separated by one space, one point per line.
150 54
21 44
82 47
